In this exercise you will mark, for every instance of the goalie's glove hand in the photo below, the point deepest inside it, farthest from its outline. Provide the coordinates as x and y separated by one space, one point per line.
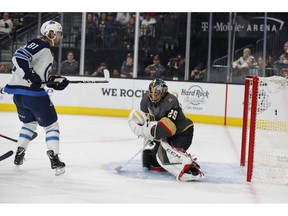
60 82
138 117
140 125
33 78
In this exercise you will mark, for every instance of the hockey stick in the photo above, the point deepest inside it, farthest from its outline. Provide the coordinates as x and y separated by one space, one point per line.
118 168
2 90
6 155
14 140
106 76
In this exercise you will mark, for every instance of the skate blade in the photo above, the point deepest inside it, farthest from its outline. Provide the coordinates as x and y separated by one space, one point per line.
191 178
59 171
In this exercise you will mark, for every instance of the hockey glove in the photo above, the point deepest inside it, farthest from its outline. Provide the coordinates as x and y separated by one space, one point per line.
146 131
137 116
60 82
34 78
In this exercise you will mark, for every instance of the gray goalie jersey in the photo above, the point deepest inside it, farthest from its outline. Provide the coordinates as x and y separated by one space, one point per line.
168 113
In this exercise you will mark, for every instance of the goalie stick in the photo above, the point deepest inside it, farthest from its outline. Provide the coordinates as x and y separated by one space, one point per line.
106 76
118 168
6 155
14 140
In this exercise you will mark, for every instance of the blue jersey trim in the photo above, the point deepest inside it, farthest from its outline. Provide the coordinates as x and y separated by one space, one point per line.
21 56
21 91
26 52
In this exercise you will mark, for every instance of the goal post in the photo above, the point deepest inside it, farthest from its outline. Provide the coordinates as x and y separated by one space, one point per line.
264 145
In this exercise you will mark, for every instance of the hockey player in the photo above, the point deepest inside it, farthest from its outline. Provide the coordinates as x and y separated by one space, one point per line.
33 65
162 121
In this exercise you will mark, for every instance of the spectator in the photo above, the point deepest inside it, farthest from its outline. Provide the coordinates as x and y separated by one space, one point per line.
91 27
269 68
176 68
4 68
243 65
260 65
115 73
70 66
101 28
245 61
282 63
6 25
198 73
127 66
123 17
147 31
155 70
130 32
147 25
112 29
99 72
283 58
17 20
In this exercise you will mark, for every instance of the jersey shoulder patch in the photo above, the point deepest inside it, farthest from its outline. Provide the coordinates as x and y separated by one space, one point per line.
171 100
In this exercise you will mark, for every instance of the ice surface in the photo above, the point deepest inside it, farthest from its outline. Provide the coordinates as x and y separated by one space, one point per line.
93 146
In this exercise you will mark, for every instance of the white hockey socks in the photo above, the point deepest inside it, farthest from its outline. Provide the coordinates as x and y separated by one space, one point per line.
178 163
26 134
52 137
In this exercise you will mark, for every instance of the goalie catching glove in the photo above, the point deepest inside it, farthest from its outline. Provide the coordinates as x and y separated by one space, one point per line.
60 82
140 125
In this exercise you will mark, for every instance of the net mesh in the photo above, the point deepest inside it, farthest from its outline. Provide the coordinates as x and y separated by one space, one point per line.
271 131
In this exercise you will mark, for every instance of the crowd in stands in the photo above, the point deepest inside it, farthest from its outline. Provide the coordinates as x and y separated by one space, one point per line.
117 31
247 64
10 22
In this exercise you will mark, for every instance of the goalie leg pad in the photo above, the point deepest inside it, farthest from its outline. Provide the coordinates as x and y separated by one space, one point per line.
149 159
178 163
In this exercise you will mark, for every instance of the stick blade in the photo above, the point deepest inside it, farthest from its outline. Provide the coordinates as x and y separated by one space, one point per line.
118 168
6 155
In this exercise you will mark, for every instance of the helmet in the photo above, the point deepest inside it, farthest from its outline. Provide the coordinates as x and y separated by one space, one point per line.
159 87
53 26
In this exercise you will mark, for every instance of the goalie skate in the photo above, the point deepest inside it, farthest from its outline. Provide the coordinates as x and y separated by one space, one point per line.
190 172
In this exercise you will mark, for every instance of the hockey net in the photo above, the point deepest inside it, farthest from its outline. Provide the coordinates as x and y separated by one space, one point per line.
265 129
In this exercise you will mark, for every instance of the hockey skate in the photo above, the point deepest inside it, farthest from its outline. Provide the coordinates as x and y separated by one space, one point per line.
191 172
56 164
19 157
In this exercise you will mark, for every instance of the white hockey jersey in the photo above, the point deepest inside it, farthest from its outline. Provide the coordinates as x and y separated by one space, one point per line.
36 55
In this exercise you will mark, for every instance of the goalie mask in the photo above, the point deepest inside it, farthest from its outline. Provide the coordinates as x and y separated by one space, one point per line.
157 90
51 29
